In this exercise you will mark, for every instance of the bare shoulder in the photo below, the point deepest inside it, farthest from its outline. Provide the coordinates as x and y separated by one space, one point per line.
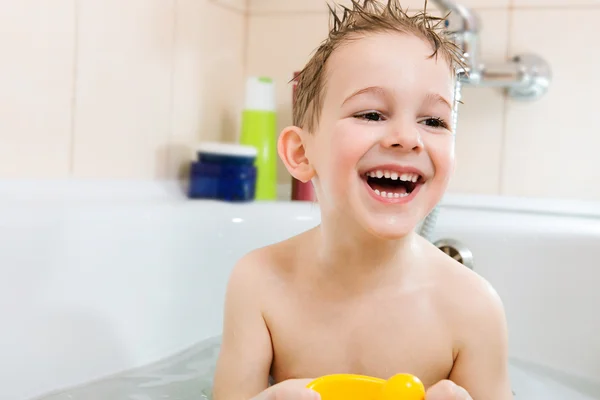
464 295
256 270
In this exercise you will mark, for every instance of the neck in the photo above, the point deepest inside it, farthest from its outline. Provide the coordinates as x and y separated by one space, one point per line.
357 254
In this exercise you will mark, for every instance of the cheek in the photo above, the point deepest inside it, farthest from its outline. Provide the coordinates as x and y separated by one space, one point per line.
346 146
340 152
441 151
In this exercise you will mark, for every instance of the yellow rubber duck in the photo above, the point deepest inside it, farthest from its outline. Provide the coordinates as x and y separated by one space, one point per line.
360 387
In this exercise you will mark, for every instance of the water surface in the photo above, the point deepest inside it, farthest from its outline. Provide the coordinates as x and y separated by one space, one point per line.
189 374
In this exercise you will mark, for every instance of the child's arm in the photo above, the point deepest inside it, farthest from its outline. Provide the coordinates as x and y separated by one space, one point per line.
481 366
246 352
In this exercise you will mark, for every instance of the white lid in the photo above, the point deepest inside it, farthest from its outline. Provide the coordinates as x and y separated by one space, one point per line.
260 94
227 149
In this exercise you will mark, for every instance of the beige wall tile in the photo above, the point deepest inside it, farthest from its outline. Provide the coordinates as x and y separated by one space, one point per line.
279 55
208 81
481 118
36 81
552 144
278 6
123 88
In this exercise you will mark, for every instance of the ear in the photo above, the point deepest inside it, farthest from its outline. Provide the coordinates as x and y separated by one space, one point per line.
292 151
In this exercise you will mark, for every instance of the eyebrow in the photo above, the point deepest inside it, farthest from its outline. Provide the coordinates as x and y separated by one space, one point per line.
379 91
376 90
437 98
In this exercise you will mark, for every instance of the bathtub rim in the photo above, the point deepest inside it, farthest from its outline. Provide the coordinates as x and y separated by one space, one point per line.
23 192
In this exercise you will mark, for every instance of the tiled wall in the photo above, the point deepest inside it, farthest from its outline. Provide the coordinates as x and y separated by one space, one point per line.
545 148
124 89
113 88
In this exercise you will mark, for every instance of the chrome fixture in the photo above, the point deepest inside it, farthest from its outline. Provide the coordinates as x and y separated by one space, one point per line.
456 250
525 76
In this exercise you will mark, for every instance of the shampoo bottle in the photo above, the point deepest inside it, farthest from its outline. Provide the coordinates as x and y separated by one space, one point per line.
259 129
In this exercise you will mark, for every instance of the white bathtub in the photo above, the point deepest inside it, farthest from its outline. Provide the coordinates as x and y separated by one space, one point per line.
97 279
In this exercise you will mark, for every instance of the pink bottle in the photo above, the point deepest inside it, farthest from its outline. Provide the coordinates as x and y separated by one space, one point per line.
301 191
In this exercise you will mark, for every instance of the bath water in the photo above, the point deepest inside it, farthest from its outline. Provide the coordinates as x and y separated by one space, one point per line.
185 376
189 375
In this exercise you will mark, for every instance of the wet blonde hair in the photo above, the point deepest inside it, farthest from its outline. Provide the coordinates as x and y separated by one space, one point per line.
369 17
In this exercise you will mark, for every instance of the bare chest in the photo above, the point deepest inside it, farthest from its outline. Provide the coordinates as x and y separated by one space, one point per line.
377 337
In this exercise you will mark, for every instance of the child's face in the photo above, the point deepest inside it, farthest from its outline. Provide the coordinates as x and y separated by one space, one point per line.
387 110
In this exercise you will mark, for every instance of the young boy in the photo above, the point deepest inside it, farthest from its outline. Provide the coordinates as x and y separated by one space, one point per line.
363 293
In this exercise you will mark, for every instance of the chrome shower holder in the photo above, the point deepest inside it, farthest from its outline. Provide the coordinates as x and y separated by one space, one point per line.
525 77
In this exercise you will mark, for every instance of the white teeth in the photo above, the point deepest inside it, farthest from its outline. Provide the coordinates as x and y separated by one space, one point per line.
406 177
390 195
409 177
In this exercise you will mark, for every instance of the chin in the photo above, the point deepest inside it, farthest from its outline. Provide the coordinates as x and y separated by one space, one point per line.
390 221
392 227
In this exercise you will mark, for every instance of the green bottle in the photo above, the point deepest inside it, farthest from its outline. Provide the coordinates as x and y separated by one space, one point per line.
259 129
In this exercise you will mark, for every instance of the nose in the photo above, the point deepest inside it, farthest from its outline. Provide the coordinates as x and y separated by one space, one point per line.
404 136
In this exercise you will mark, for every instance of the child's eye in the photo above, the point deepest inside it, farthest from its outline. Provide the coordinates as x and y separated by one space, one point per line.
435 122
370 116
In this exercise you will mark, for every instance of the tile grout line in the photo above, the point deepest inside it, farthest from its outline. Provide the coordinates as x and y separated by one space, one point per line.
230 8
246 39
74 80
170 132
511 6
295 12
557 7
505 103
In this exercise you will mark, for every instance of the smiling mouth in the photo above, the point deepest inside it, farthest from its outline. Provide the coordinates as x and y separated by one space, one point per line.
393 184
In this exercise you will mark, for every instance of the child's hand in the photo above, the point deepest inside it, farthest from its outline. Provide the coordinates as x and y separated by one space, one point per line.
447 390
292 389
